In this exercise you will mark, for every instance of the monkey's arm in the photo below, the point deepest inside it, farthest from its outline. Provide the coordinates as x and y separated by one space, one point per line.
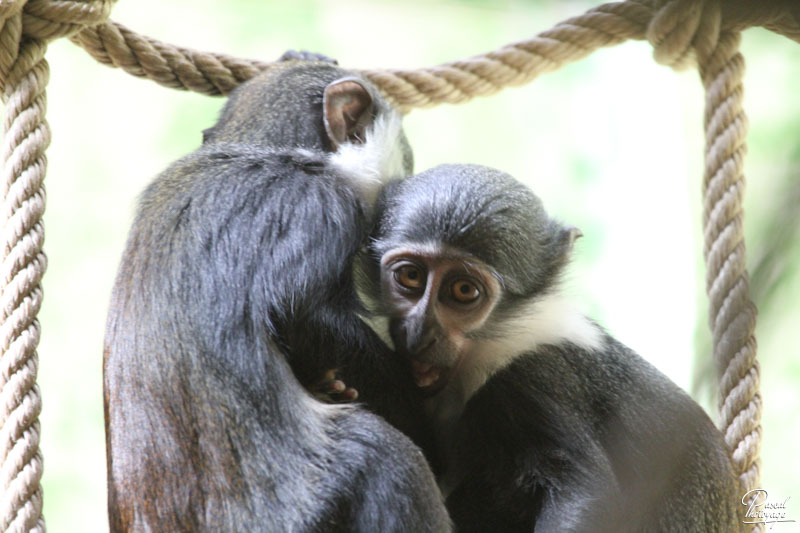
307 224
364 362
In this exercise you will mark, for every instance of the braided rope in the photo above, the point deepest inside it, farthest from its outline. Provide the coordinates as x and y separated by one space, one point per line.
732 314
25 138
178 68
113 44
456 82
682 32
514 64
25 28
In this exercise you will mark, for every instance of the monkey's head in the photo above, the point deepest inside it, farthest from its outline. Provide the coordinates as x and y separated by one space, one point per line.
308 104
459 250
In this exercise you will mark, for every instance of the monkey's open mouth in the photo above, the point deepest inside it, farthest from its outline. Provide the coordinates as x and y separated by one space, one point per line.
428 377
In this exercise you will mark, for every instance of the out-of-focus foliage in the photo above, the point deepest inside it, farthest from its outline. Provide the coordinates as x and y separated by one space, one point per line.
613 144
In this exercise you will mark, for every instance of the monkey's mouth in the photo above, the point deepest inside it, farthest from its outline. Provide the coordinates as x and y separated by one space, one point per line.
431 379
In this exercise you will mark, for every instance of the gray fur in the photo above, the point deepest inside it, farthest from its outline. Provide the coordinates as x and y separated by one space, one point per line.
478 209
234 295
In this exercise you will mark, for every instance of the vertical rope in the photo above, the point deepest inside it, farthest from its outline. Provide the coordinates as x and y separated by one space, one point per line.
732 314
681 32
25 137
25 28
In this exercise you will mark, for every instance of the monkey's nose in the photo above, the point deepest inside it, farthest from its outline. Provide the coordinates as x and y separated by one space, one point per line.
420 344
427 345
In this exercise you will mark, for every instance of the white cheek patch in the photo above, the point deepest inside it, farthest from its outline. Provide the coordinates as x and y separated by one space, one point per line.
376 161
377 322
380 325
551 319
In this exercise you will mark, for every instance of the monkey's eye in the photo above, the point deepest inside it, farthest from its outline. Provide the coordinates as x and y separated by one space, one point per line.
410 276
464 291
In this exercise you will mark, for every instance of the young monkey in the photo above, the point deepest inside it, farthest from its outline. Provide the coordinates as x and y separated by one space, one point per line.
545 421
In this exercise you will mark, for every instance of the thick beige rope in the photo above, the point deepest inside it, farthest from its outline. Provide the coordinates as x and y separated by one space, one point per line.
25 137
732 314
25 28
682 32
179 68
455 82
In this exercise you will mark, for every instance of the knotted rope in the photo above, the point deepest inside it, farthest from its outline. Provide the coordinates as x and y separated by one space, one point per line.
682 32
732 314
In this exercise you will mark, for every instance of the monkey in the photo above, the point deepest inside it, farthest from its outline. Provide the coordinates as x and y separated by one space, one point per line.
545 421
234 297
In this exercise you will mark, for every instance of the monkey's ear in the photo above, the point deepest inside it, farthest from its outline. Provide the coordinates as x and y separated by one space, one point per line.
347 111
566 240
207 133
305 55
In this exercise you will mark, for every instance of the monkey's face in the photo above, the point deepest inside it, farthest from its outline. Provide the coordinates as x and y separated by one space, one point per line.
436 299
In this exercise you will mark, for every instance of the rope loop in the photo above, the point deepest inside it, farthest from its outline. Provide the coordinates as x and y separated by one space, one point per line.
27 25
684 32
8 8
49 19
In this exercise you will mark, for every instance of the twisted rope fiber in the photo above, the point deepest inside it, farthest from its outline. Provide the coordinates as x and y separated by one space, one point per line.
113 44
681 31
732 314
26 136
25 28
456 82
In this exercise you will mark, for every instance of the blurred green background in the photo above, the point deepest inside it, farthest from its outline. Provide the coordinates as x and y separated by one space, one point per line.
613 144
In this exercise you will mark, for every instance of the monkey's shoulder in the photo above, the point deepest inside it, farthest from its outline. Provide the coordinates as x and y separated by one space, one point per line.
585 369
278 195
239 169
213 216
540 395
566 387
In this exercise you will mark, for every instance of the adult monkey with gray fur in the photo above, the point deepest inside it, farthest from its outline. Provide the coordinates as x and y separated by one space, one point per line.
234 293
546 422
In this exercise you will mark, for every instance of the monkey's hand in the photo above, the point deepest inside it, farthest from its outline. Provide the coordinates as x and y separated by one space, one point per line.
330 389
304 55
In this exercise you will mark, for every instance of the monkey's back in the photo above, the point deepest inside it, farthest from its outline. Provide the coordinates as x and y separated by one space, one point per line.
207 426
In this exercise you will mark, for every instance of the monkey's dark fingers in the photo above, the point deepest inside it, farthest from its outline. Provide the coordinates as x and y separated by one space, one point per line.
336 386
345 395
305 55
332 390
349 394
